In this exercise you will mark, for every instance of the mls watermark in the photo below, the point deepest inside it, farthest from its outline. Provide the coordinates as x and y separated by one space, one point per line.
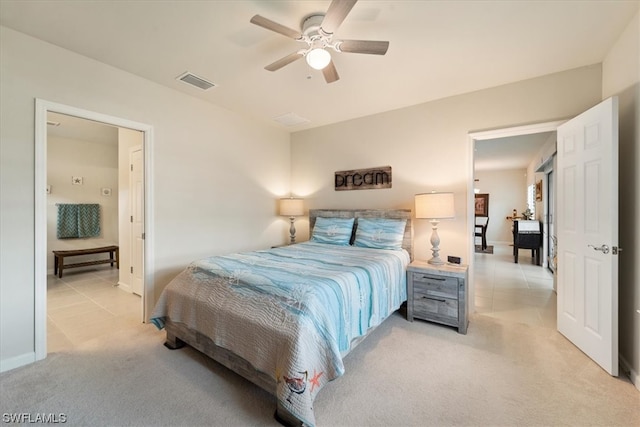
38 418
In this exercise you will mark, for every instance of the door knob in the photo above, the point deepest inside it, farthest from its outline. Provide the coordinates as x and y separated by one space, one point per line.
604 248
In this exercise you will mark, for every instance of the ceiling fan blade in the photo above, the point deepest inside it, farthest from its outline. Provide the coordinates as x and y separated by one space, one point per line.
338 10
330 73
263 22
363 46
284 61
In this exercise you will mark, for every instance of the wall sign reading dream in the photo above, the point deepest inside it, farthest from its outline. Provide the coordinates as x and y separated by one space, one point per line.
364 179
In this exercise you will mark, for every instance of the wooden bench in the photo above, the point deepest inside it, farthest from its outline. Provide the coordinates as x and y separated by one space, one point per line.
59 256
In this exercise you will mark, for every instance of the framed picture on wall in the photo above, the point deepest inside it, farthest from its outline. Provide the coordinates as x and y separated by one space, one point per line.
539 191
482 204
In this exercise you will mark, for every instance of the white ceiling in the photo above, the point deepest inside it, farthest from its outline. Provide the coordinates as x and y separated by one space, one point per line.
437 48
515 152
64 126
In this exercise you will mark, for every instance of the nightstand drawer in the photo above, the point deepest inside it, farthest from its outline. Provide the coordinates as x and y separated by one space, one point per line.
443 310
428 284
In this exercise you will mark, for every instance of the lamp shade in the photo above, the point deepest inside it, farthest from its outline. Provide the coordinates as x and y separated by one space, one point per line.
434 205
291 207
318 58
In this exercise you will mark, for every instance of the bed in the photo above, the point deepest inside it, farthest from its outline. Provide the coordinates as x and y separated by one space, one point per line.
284 318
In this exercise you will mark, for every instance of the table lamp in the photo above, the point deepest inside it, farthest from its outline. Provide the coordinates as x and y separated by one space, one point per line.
434 207
292 208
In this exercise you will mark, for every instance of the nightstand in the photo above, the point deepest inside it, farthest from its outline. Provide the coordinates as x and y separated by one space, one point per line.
438 293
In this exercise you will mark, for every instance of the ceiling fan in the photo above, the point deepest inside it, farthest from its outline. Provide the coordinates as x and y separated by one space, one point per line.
317 33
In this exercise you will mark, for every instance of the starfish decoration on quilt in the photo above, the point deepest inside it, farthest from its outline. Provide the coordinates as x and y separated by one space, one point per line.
315 379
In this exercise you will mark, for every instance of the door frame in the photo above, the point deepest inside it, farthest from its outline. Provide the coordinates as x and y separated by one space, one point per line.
42 107
473 137
132 236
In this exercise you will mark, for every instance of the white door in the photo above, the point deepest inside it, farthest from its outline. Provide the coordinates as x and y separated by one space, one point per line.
587 227
136 190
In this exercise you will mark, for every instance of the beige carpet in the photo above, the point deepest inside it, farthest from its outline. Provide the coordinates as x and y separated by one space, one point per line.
404 374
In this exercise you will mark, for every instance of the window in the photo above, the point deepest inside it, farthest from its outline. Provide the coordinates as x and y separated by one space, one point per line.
531 200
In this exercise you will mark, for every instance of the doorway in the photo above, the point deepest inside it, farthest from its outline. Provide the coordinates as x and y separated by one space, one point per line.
478 137
43 109
587 205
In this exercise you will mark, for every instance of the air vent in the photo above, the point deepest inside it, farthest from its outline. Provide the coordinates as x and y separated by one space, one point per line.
196 81
291 119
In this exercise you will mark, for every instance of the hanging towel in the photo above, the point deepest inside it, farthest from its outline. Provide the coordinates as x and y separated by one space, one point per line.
67 221
78 221
89 220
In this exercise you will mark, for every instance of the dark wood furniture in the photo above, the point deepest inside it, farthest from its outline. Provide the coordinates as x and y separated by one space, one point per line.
438 294
59 256
529 237
481 231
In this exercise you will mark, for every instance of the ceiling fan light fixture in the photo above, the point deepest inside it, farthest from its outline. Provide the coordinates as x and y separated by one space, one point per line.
316 33
318 58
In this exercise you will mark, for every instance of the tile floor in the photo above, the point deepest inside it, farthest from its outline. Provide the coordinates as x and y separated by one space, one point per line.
85 304
520 292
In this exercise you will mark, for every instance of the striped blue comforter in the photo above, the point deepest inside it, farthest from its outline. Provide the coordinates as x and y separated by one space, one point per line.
292 312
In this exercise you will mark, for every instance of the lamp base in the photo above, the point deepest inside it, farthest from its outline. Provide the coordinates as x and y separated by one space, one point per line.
292 231
436 261
435 244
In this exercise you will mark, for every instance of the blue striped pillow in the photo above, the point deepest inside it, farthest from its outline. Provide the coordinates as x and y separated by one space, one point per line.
334 231
380 233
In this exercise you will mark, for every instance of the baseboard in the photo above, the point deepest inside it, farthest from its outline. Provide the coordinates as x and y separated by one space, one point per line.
18 361
628 371
125 287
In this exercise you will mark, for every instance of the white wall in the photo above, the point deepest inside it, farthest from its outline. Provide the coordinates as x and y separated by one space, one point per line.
621 77
97 164
427 146
507 191
211 196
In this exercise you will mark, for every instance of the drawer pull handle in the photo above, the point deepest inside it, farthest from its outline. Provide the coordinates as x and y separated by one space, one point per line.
435 299
442 279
